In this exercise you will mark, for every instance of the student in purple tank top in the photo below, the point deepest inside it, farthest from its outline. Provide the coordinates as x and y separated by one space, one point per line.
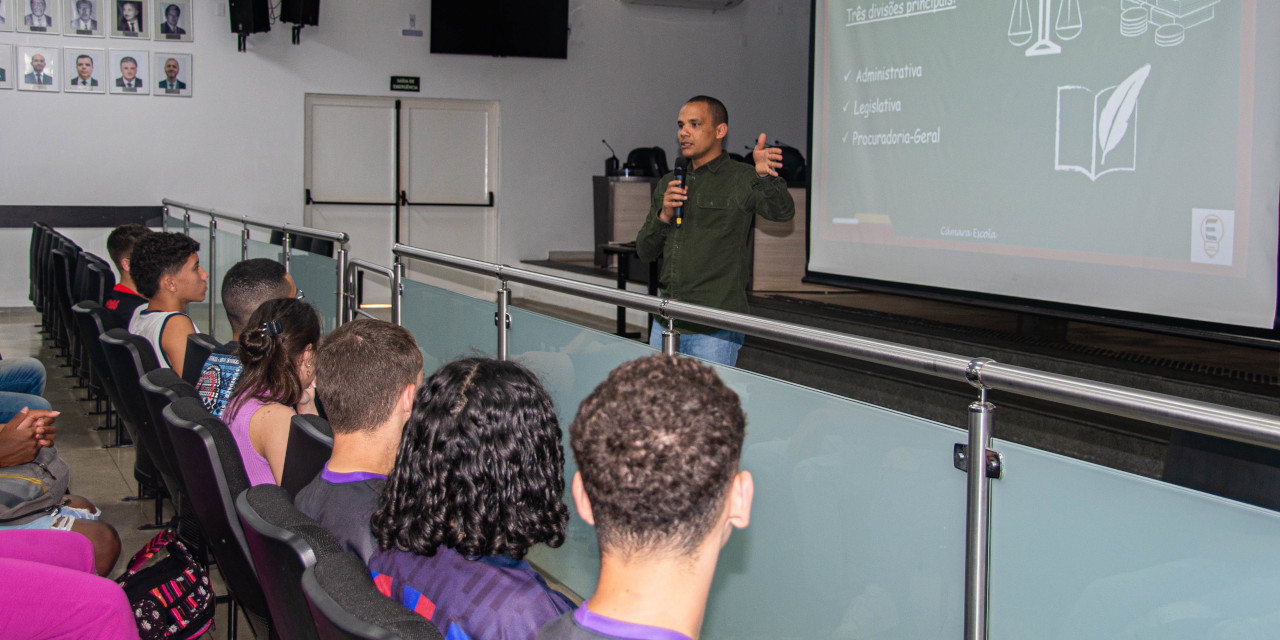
478 480
657 446
277 350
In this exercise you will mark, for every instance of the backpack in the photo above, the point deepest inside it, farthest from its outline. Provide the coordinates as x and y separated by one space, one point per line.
30 490
171 599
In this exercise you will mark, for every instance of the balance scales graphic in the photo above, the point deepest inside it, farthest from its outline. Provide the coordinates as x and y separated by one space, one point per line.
1170 19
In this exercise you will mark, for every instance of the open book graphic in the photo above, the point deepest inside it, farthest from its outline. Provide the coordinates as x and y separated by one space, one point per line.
1098 132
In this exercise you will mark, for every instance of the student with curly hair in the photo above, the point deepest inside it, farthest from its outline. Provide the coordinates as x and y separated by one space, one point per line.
168 274
477 481
657 446
277 351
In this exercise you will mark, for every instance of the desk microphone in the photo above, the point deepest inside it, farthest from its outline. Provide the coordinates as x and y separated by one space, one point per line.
681 166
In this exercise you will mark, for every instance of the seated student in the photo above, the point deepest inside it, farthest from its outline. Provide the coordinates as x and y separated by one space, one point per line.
246 286
168 274
20 440
657 446
367 374
478 480
21 386
50 591
277 349
124 299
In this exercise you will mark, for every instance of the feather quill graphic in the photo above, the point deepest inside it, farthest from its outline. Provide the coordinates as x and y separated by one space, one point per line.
1113 121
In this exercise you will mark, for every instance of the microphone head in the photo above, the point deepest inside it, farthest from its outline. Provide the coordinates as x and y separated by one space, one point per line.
682 165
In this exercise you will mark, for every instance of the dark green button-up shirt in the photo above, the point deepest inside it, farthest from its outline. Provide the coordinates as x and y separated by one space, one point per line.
706 258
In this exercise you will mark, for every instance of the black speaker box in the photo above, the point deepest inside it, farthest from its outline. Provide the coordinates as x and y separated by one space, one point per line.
249 16
300 11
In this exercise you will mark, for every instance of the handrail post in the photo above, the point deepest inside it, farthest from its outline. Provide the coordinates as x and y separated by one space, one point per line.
978 514
670 337
186 222
397 290
502 318
212 290
342 287
164 218
244 240
284 235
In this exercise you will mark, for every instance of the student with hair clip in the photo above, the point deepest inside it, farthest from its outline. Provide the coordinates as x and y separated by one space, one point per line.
277 350
478 480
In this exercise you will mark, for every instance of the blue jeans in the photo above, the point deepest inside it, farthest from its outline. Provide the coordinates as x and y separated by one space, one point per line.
21 383
718 346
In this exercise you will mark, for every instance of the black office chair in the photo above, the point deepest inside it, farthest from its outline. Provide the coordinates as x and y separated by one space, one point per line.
346 605
214 472
93 320
130 357
309 448
162 386
38 232
63 263
199 346
283 542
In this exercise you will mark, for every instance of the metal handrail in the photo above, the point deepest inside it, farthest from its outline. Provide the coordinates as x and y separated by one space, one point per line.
1179 413
355 266
291 229
288 231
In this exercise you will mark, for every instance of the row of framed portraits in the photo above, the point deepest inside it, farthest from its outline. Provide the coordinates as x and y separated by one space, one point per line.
120 71
167 20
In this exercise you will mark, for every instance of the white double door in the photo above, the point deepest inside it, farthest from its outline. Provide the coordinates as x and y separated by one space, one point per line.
438 158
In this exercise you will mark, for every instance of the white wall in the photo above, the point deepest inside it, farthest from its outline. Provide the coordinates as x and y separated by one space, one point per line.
237 144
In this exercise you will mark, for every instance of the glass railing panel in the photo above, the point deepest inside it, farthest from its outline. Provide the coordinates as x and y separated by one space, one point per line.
569 360
172 223
199 311
260 249
226 254
447 325
1081 551
857 528
317 278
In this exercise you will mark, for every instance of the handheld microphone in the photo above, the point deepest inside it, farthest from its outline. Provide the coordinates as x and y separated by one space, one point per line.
681 167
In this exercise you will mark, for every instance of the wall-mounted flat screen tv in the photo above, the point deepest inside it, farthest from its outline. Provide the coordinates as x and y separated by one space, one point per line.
519 28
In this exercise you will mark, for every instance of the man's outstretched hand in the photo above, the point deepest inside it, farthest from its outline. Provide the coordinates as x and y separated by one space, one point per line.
768 160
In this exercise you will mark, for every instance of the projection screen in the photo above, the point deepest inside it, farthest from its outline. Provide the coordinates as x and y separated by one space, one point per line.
1114 154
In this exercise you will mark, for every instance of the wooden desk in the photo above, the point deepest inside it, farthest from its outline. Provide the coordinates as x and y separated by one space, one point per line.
621 205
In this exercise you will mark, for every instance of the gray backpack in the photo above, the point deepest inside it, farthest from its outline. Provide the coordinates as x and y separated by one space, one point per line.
28 491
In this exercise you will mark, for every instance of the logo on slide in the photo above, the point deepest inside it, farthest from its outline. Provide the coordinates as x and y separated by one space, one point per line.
1212 236
1097 133
1169 19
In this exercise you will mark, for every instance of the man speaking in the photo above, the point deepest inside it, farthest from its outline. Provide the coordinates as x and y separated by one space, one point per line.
705 248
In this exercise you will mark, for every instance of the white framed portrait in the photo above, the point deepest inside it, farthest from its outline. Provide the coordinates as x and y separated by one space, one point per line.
173 75
6 16
130 19
37 16
84 18
82 70
7 70
128 71
39 69
173 20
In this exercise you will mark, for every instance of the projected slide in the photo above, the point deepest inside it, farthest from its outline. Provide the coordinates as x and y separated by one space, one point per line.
1119 154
